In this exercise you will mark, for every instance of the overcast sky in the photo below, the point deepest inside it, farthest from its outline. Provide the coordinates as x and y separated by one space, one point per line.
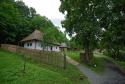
48 8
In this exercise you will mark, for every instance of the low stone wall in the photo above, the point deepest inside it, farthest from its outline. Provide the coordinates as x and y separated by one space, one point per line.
52 58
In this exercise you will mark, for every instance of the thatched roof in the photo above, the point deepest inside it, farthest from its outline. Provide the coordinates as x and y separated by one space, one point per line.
36 35
63 45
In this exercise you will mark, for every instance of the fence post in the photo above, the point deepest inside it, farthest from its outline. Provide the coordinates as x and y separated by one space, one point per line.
64 61
24 62
24 66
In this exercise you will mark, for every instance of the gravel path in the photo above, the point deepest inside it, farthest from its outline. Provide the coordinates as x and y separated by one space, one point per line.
111 75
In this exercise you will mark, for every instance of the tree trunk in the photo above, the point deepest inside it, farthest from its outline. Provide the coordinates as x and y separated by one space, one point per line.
89 55
86 45
115 53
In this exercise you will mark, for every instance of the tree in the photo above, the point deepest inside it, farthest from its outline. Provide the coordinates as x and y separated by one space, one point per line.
81 19
52 34
96 21
41 22
32 12
23 9
114 28
9 16
74 43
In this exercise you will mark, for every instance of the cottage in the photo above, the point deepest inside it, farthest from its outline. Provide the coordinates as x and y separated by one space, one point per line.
63 47
35 41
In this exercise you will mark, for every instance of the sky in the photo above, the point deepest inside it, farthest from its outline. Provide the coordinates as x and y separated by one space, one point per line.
48 8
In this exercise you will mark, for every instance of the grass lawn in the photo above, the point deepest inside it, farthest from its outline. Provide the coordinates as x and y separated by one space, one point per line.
11 66
121 64
74 55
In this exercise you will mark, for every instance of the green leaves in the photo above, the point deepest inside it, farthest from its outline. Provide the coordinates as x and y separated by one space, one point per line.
95 22
81 19
53 35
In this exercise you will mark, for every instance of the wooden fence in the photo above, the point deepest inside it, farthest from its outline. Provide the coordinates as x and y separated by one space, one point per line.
52 58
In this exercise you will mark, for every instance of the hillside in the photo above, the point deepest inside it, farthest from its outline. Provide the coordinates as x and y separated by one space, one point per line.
11 66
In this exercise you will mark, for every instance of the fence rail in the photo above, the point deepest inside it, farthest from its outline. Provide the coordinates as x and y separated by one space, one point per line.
52 58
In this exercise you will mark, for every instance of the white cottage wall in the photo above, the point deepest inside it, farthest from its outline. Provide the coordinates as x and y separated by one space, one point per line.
37 45
56 48
27 45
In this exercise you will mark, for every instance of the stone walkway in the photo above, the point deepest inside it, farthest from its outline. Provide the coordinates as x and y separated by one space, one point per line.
111 75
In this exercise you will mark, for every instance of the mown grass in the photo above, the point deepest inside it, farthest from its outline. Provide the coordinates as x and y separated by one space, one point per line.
74 55
11 66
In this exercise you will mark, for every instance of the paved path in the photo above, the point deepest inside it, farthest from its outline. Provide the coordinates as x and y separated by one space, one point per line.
111 75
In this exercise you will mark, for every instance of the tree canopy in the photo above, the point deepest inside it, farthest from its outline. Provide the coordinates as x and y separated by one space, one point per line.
95 22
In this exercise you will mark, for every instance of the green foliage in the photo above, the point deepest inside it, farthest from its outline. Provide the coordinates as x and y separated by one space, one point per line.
74 43
41 22
54 35
81 19
96 23
8 17
121 64
113 36
12 23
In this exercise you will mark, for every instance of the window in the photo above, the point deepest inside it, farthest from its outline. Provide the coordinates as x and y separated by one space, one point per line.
51 47
27 44
30 44
41 45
